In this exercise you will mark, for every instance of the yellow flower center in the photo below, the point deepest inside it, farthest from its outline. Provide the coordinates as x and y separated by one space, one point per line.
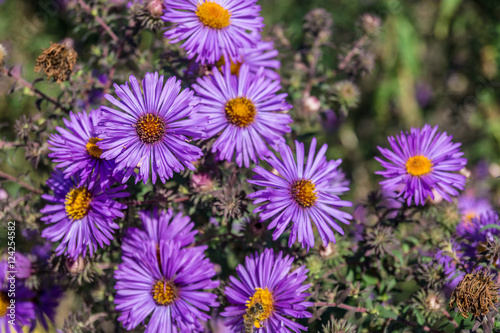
469 216
240 111
4 304
164 292
418 165
235 67
257 313
93 149
304 193
77 203
213 15
150 128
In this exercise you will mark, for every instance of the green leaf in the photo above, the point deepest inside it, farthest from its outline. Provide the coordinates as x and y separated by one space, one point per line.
384 313
369 280
420 318
490 226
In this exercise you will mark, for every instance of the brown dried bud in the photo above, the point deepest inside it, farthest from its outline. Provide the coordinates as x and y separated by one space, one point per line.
57 61
476 294
75 266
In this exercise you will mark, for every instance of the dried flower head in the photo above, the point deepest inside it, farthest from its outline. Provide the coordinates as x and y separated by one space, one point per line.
381 240
318 24
231 201
490 251
431 274
347 93
339 326
476 294
430 303
23 127
57 61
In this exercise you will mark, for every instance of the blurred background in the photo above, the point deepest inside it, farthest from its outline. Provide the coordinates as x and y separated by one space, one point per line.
411 62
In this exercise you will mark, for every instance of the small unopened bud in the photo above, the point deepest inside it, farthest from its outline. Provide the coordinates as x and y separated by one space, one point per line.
202 182
326 251
3 194
318 24
430 303
371 24
156 8
311 104
348 93
75 266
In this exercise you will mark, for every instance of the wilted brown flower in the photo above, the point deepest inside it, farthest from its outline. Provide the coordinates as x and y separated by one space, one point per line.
476 294
57 61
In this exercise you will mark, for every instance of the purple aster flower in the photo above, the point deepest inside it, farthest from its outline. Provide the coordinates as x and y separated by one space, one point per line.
45 304
212 29
450 257
301 195
248 112
15 304
268 284
81 217
471 229
21 264
150 131
76 152
263 55
165 282
159 225
423 160
469 206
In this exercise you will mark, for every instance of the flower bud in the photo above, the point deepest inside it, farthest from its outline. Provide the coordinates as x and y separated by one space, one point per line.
155 8
371 24
75 266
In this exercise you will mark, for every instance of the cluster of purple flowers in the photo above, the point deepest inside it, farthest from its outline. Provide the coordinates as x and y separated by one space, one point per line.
21 306
151 131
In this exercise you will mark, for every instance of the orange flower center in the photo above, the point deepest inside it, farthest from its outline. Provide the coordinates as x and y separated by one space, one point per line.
259 307
4 304
304 193
164 292
93 149
150 128
77 203
213 15
418 165
240 111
